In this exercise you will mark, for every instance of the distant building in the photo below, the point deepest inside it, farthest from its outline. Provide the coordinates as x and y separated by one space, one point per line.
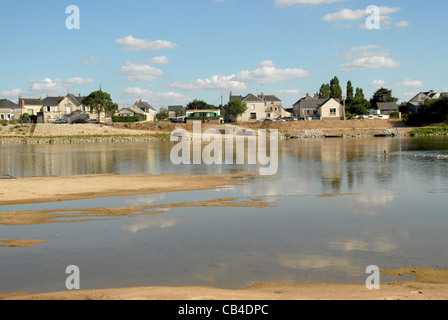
8 110
273 107
419 99
204 115
308 108
140 108
387 107
176 111
255 108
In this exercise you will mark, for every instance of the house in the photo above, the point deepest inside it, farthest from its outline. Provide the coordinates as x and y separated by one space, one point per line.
416 101
387 107
273 107
176 111
139 109
9 110
308 108
255 108
147 109
49 109
204 115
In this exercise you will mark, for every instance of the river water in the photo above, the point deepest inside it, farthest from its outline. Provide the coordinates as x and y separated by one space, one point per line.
335 207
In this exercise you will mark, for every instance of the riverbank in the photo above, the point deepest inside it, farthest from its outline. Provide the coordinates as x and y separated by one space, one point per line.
142 132
429 284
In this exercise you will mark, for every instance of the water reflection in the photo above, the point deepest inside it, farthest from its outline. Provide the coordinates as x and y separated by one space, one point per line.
335 207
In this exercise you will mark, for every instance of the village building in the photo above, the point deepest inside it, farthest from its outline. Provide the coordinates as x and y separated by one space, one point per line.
419 99
9 110
255 108
309 108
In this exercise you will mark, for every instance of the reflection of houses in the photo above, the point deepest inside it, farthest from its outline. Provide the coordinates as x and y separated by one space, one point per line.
255 107
273 107
9 110
139 109
415 102
204 115
176 111
319 109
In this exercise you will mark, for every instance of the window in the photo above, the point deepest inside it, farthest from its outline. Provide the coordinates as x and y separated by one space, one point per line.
252 107
2 116
253 116
48 109
332 111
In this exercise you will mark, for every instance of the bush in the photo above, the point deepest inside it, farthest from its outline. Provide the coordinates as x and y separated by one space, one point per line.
128 119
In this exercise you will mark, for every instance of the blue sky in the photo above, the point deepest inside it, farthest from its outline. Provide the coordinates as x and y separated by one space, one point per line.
170 52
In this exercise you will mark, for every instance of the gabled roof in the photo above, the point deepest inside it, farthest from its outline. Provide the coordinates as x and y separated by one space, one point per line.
251 98
175 108
143 105
269 98
387 106
77 99
52 101
309 103
30 101
136 110
7 104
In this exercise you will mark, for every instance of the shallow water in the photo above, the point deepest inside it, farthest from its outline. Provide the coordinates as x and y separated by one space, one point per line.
336 207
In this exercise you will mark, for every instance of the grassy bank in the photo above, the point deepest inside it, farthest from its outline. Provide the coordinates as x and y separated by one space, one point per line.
430 131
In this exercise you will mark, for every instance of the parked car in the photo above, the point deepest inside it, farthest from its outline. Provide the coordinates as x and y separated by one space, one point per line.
78 121
291 119
25 120
268 120
59 121
279 120
261 120
93 121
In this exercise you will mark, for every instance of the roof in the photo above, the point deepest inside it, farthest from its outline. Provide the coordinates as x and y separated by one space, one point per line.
175 108
31 101
77 99
52 101
269 98
7 104
387 106
143 105
136 110
308 103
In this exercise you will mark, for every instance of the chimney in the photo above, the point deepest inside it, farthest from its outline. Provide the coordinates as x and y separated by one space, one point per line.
23 103
307 95
79 95
231 93
432 91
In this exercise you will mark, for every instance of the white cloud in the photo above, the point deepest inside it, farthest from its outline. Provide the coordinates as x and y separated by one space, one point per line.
352 15
265 73
215 82
403 24
138 71
90 60
290 92
378 83
290 3
366 63
156 98
132 44
48 86
160 60
368 57
345 14
409 83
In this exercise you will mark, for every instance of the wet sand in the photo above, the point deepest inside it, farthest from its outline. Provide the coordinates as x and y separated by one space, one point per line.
67 188
429 283
433 286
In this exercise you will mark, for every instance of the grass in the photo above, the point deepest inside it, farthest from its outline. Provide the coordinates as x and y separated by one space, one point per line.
430 131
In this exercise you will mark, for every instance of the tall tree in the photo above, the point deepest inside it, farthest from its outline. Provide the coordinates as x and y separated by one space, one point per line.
324 92
350 91
335 89
359 93
382 95
234 109
199 104
100 101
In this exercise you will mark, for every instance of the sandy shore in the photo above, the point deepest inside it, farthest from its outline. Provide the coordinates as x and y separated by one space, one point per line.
433 286
66 188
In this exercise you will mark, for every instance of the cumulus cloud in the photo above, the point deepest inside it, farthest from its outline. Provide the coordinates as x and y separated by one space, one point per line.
138 71
90 60
137 45
409 83
378 83
160 60
368 57
265 73
157 98
290 3
47 86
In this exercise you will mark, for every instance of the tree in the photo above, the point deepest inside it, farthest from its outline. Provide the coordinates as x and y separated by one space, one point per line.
100 101
350 92
335 89
324 92
163 114
430 112
234 109
199 105
359 93
382 95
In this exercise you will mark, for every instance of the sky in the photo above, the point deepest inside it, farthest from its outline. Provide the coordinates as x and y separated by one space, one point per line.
169 52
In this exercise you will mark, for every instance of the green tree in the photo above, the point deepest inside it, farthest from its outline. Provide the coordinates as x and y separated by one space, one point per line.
234 109
382 95
350 91
335 89
324 92
359 93
100 101
199 105
430 112
163 114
